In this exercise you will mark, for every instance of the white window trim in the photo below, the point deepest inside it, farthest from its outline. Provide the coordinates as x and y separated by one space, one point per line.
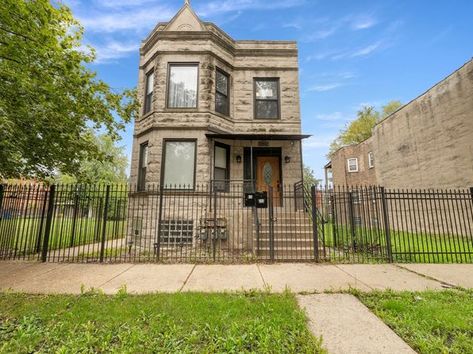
348 164
370 159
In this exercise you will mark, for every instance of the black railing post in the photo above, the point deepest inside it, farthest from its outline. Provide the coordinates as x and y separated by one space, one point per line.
74 218
351 216
315 226
160 218
40 229
49 222
2 188
271 222
295 196
386 225
471 194
214 236
104 225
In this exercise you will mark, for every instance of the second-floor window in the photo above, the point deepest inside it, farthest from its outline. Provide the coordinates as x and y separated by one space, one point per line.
352 165
222 91
267 98
370 160
182 85
149 91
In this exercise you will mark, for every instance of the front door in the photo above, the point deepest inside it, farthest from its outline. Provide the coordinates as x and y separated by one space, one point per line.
268 173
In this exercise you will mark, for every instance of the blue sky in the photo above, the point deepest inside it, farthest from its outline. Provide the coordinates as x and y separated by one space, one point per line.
351 53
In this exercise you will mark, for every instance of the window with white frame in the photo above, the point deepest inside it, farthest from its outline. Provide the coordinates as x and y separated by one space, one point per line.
352 165
370 159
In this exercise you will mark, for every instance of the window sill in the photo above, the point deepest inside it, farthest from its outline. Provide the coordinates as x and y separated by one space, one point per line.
144 116
180 110
268 119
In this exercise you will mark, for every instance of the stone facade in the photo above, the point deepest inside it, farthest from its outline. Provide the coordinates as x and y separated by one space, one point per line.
427 143
186 39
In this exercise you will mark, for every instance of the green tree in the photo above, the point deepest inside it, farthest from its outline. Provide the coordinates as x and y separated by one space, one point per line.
110 170
390 108
309 178
48 97
361 128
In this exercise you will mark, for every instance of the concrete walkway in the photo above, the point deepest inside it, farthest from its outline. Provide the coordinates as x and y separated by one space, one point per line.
299 278
348 326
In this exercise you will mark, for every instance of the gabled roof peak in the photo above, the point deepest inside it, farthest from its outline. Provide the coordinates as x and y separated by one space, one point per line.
185 20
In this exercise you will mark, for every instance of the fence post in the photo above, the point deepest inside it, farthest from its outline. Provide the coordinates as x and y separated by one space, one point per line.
471 193
315 228
74 218
386 225
214 236
351 215
104 227
271 223
2 188
160 218
49 221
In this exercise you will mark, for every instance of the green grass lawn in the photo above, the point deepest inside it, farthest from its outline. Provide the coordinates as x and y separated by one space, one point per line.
164 323
406 246
430 322
21 235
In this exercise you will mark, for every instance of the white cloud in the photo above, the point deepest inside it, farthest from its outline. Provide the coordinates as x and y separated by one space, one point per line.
215 7
325 87
362 22
330 81
112 50
122 3
362 52
136 21
318 141
330 116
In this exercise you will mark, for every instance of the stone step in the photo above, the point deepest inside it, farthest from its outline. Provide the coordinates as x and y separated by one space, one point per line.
288 243
286 229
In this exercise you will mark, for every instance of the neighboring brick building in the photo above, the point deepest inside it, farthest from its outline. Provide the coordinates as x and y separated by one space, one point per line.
211 104
428 143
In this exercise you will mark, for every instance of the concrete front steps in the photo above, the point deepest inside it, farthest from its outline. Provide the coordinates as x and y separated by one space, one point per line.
293 237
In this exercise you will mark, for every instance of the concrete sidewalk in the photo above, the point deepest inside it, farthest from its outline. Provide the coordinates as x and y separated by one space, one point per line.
299 278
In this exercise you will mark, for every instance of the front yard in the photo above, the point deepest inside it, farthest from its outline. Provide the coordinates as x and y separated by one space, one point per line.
184 323
430 322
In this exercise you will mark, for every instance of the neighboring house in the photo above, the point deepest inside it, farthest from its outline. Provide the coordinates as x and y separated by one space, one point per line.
214 108
428 143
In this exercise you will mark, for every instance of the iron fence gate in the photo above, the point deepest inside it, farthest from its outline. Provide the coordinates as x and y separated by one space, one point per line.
226 221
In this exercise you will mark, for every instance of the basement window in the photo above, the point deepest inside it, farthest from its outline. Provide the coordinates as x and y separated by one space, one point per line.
176 232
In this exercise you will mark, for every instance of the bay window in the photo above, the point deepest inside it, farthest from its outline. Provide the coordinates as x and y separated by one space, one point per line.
222 93
149 92
182 86
179 164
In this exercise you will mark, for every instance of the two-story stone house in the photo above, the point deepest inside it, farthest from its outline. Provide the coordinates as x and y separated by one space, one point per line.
214 108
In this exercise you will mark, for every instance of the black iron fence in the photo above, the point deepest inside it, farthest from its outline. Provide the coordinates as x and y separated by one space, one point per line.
226 221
